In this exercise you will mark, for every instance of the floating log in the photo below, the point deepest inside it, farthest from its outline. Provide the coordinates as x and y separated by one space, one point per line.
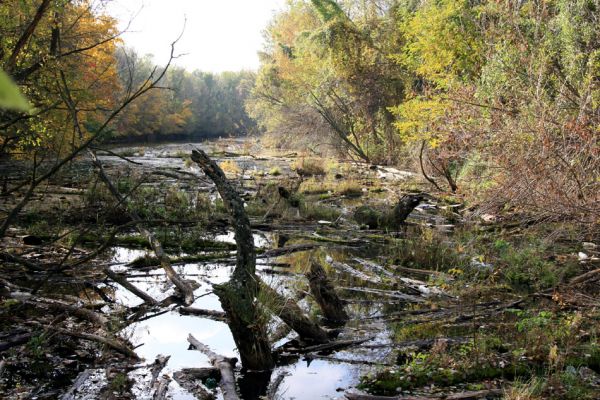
224 364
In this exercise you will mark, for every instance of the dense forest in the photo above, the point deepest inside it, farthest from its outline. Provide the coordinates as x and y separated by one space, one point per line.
499 99
401 202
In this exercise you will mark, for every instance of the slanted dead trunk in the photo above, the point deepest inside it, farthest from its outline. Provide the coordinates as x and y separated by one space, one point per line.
392 219
238 295
322 290
294 317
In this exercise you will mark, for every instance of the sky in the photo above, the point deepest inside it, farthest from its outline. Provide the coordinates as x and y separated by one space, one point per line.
220 35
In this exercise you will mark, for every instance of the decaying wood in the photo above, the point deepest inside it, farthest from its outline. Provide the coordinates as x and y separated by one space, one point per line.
392 219
15 340
343 267
185 288
191 382
274 386
211 314
339 344
223 364
313 356
237 296
110 342
387 293
158 365
72 394
293 316
162 388
121 280
585 277
286 250
80 312
322 290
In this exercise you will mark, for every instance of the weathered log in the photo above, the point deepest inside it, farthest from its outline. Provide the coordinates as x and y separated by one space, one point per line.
162 388
121 280
585 277
72 394
237 296
165 262
158 365
110 342
210 314
387 293
188 380
223 364
343 267
392 219
15 341
293 316
339 344
325 296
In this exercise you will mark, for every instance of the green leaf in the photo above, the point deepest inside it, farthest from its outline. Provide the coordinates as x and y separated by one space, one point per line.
10 95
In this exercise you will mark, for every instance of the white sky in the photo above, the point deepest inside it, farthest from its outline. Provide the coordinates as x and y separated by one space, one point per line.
220 35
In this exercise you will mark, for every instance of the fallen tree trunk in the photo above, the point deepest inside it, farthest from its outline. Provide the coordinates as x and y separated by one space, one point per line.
325 296
223 364
238 295
121 280
185 288
210 314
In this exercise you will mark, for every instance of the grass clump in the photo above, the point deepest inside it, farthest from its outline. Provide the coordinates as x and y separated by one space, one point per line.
230 167
308 167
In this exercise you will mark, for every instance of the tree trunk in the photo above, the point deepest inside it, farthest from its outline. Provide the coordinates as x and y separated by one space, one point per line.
322 290
238 295
294 317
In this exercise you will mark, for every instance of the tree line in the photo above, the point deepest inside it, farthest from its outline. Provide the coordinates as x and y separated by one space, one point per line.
69 61
496 100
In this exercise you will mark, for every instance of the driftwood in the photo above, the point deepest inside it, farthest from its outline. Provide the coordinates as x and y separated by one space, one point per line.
293 316
223 364
237 296
121 280
325 296
165 262
210 314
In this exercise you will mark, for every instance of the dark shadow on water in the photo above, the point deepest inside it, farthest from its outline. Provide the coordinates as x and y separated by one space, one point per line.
253 385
